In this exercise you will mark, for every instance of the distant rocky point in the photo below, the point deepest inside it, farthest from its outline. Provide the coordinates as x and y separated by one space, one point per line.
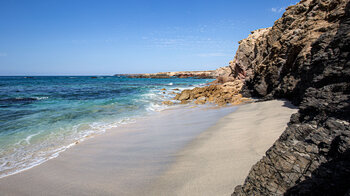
211 74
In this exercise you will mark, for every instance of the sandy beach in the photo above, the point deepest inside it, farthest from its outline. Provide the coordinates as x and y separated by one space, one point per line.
220 158
184 151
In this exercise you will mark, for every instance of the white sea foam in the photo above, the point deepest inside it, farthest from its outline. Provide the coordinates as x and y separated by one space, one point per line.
29 137
156 107
40 98
27 155
30 98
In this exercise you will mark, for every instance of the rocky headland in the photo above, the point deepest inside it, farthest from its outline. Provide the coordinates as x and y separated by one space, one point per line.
210 74
304 58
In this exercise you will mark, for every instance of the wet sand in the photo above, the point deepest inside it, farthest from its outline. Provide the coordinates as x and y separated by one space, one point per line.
122 161
183 151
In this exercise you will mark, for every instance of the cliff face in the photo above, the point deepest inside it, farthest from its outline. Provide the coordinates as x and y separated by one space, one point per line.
304 57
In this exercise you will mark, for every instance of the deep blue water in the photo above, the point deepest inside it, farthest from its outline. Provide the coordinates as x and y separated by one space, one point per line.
42 116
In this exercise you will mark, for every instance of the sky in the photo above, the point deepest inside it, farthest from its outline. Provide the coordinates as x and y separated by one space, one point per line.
106 37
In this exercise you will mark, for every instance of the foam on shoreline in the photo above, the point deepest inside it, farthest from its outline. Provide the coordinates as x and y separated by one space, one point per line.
186 150
121 161
38 143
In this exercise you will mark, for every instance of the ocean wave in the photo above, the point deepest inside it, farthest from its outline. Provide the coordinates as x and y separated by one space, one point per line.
25 155
156 107
41 98
22 99
28 138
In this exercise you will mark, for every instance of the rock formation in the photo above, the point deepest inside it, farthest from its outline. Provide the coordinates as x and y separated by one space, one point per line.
227 93
304 57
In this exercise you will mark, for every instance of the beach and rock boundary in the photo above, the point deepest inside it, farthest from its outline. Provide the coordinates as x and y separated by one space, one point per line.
304 57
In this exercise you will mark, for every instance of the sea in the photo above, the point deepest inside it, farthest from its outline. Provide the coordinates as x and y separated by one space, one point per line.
42 116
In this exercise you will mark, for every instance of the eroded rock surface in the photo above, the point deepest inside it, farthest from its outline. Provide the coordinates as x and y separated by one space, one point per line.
219 94
304 57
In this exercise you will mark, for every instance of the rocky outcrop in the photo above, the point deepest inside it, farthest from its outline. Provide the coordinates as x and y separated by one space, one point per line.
223 75
248 55
227 93
304 57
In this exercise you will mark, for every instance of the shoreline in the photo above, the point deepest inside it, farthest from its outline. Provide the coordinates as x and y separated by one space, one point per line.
133 159
29 154
119 160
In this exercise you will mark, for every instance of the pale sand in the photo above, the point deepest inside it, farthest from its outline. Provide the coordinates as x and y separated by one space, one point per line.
123 161
145 158
220 158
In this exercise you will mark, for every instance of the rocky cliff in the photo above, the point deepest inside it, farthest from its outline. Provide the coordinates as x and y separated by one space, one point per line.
304 57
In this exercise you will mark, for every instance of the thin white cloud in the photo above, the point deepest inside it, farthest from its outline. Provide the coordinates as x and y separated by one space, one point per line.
2 54
184 42
277 10
192 37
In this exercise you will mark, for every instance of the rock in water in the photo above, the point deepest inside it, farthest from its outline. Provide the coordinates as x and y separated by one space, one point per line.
167 103
304 57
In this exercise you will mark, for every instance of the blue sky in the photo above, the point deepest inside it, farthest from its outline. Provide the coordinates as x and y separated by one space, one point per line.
102 37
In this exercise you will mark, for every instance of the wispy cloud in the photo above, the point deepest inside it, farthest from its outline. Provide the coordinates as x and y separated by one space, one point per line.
278 10
2 54
197 37
187 42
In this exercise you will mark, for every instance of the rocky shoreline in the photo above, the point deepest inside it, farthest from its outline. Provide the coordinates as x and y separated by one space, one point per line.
305 58
220 94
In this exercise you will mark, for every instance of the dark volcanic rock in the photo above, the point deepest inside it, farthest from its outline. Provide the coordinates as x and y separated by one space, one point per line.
304 57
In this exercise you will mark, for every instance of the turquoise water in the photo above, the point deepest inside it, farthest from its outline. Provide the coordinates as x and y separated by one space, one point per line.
42 116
